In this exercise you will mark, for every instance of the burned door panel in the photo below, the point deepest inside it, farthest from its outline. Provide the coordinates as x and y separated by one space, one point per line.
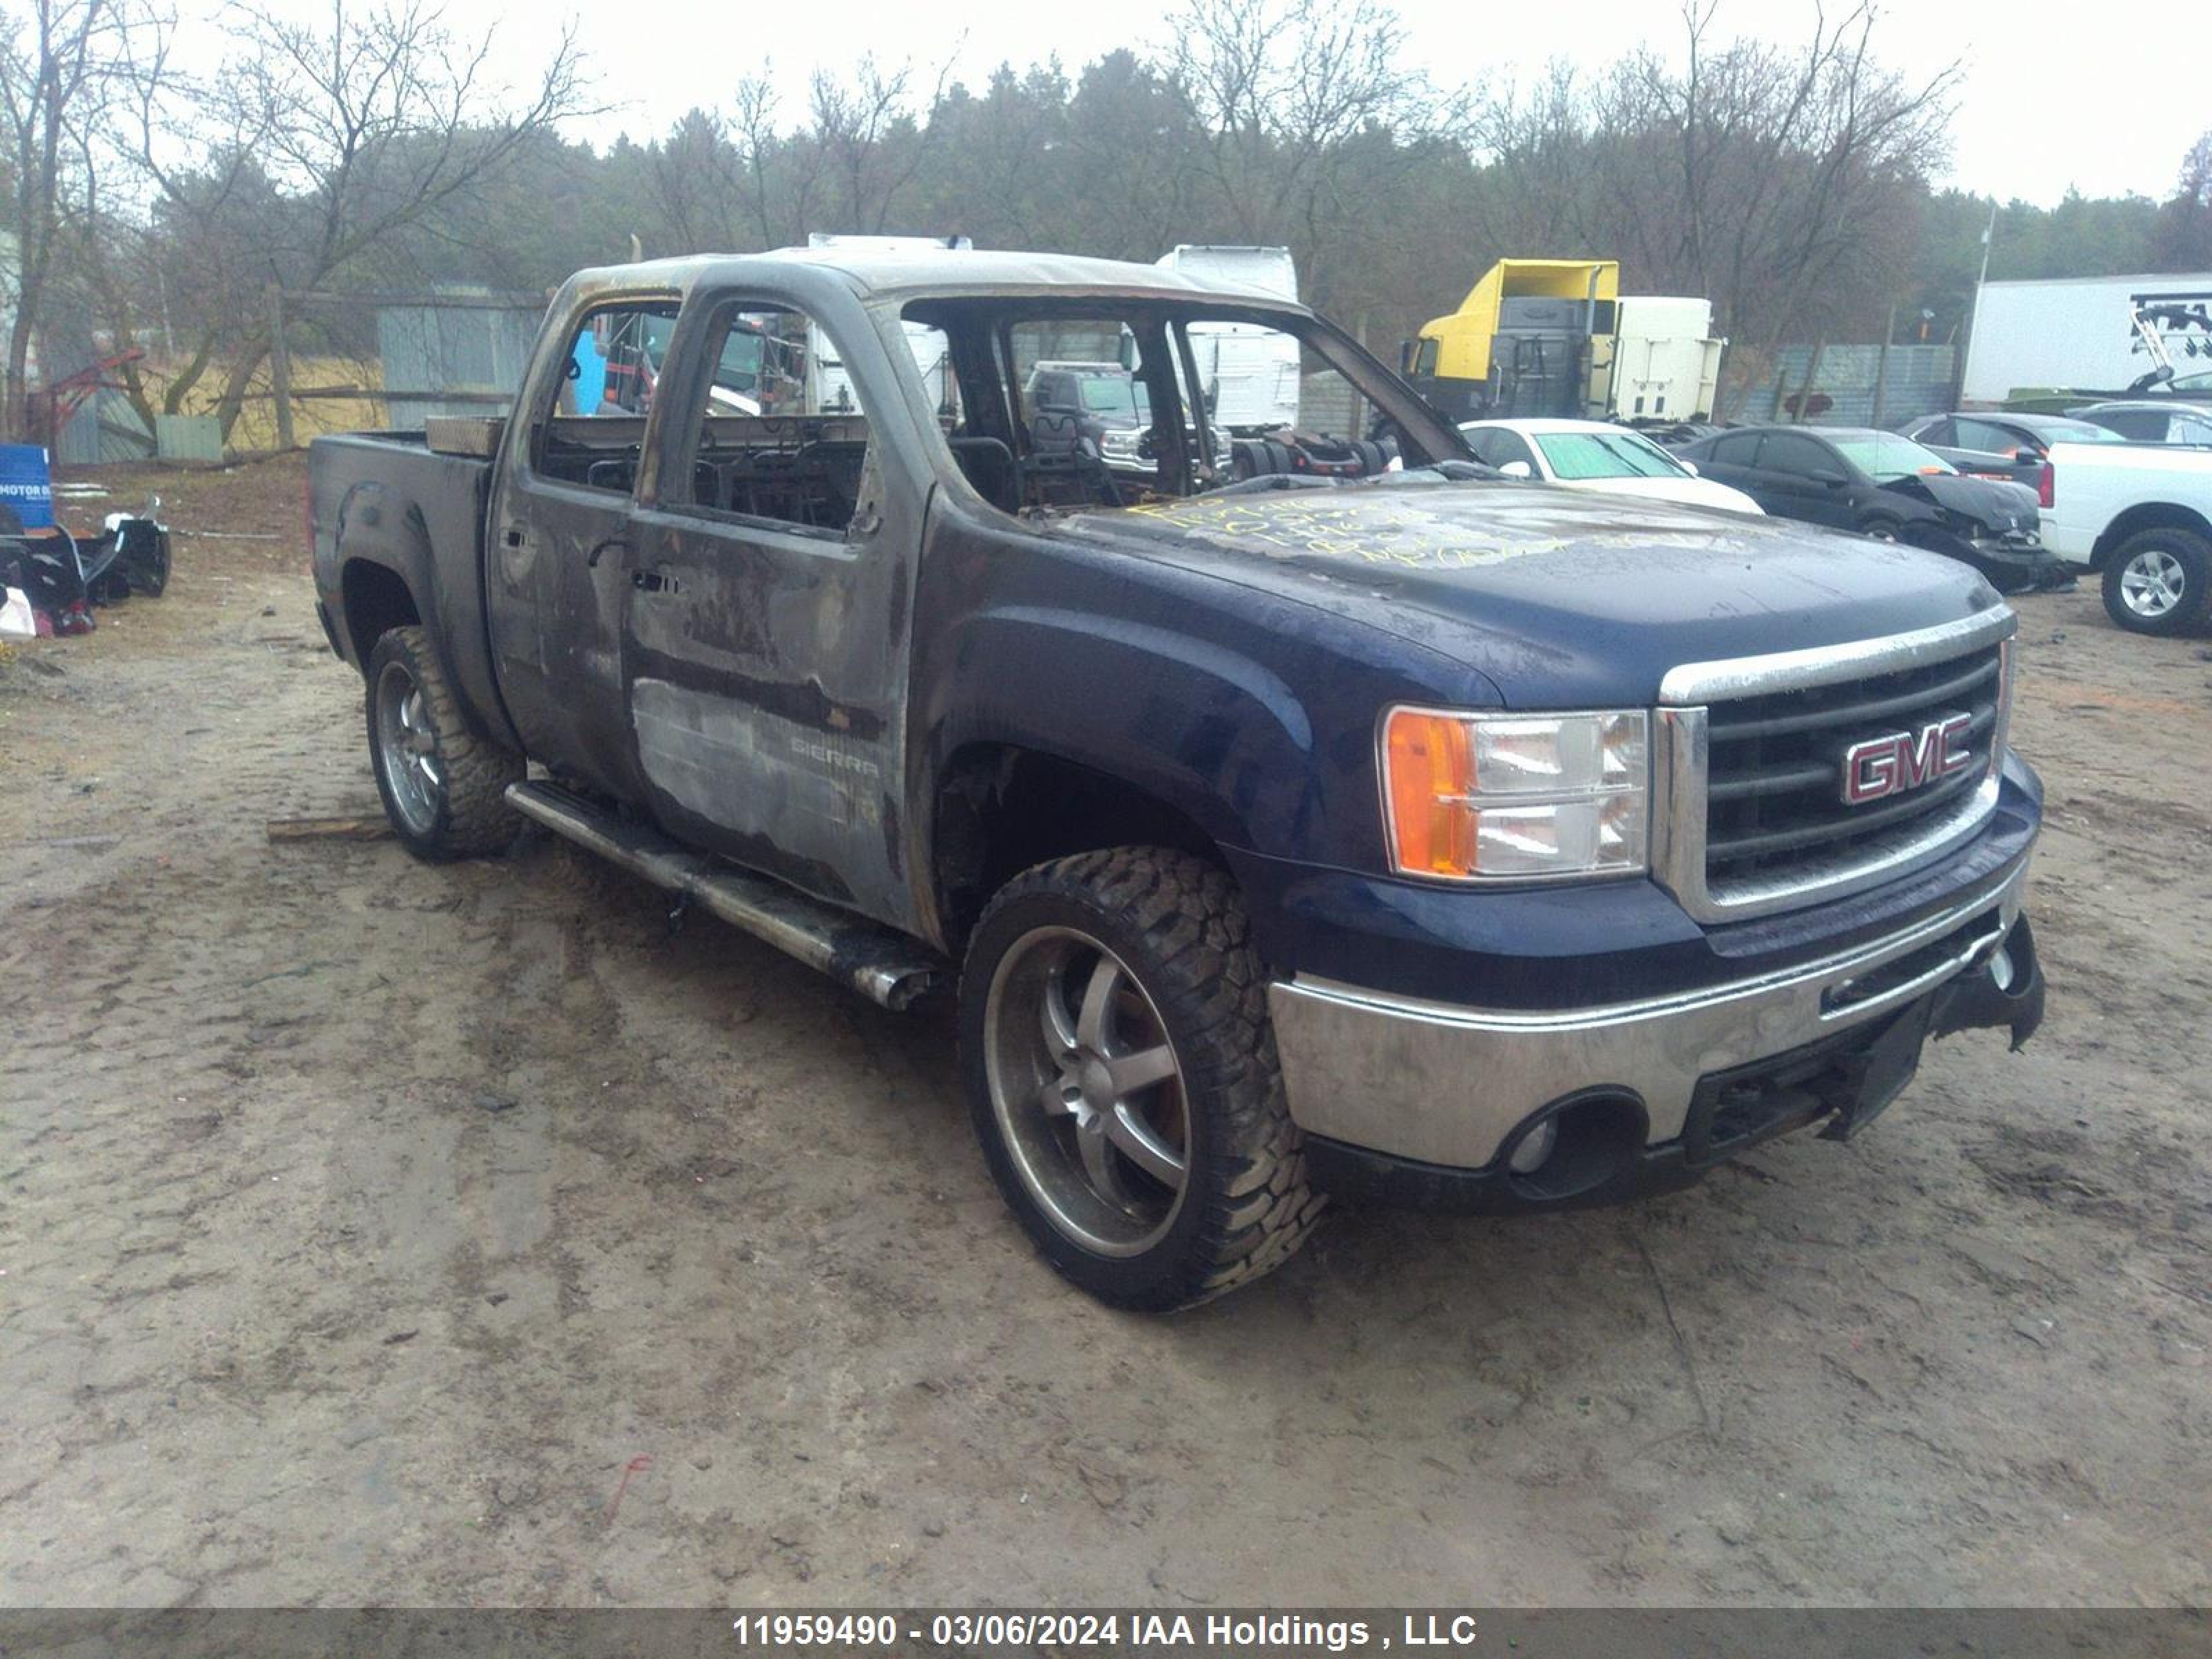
562 553
765 641
558 558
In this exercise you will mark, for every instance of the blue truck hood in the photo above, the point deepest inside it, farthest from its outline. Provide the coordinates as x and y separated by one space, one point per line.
1558 597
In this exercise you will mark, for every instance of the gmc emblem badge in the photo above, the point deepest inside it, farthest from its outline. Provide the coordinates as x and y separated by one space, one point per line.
1898 761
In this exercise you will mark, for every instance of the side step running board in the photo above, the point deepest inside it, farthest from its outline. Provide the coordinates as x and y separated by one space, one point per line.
883 965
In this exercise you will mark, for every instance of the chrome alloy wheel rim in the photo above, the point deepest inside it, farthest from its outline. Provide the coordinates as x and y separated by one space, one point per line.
2152 583
407 748
1087 1090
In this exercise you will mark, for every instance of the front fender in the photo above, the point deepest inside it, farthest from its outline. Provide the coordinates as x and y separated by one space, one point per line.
1194 724
1253 715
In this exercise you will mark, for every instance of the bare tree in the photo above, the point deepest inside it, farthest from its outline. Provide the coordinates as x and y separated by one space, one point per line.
60 64
1781 182
728 181
1789 171
697 177
1281 89
752 131
869 139
337 140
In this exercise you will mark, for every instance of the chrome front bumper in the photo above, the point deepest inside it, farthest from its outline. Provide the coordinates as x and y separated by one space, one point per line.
1443 1084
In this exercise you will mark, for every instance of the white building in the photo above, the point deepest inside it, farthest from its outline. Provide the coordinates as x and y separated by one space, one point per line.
2076 331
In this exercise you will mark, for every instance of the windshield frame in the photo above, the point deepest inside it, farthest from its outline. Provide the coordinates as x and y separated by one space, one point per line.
996 310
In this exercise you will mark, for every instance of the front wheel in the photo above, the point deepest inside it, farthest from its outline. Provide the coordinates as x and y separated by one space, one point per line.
2160 582
443 789
1121 1074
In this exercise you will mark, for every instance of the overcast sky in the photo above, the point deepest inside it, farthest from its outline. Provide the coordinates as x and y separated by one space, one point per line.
2054 97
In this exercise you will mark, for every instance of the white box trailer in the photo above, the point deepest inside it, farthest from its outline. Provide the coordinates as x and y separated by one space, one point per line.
1250 375
827 386
1665 363
2074 331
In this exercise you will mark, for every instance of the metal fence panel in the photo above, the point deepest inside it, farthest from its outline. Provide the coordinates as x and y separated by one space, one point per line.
1328 403
188 437
1917 381
473 350
104 428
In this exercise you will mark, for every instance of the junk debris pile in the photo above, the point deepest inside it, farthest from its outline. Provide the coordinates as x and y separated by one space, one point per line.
51 579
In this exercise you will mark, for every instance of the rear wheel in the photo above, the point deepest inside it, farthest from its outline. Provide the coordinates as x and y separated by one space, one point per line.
2160 582
443 789
1122 1077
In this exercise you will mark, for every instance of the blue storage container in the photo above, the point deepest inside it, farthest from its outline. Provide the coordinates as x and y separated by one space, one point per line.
26 485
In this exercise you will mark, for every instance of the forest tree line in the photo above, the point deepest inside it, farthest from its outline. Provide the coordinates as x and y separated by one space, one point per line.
369 151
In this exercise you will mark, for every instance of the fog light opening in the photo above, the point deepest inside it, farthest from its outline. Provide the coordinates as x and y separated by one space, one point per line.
2000 969
1575 1145
1534 1147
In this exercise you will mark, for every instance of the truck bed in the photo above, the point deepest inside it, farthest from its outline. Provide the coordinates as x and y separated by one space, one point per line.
388 497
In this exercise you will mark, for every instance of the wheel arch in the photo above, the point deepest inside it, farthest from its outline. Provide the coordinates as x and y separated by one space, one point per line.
999 806
2146 515
406 559
373 600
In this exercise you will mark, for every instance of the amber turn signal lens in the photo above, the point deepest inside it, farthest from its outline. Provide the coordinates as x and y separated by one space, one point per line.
1431 772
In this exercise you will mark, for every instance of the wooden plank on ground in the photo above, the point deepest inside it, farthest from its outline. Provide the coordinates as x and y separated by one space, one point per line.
341 828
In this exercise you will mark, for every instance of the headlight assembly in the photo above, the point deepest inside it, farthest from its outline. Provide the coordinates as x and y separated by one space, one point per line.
1517 797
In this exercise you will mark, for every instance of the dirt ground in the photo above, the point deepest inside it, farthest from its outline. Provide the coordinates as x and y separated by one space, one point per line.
374 1233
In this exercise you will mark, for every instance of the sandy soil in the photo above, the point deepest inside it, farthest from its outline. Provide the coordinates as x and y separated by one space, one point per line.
376 1233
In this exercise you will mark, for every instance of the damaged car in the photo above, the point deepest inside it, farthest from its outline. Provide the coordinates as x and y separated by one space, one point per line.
1888 487
1424 837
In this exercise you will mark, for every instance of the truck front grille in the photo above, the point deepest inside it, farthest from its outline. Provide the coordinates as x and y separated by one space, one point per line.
1752 815
1774 797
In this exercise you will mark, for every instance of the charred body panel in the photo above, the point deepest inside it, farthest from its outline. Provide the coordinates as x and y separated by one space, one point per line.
764 663
392 524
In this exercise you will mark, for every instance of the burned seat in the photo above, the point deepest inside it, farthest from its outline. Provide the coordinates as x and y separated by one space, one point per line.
1064 467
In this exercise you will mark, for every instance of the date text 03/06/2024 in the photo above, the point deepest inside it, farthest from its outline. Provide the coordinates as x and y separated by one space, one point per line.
1231 1632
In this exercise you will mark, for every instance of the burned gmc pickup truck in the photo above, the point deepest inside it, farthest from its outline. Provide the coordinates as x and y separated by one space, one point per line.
1423 836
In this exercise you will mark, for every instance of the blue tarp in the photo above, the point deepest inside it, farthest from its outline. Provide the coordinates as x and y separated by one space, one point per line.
26 485
591 381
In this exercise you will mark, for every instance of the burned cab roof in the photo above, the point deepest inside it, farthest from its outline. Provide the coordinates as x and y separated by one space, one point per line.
940 273
948 272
